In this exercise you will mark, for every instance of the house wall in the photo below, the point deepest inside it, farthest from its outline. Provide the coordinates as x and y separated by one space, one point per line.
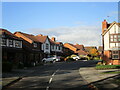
108 45
44 46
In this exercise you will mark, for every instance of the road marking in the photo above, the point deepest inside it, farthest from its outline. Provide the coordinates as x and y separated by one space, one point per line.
55 72
47 88
50 80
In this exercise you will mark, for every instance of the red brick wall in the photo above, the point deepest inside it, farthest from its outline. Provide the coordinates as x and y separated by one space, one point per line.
106 58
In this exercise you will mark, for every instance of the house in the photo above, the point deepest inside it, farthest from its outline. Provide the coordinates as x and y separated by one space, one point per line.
11 47
46 46
56 47
111 42
77 49
32 48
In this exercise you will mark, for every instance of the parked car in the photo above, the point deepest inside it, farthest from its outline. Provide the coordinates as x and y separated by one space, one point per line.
51 59
76 58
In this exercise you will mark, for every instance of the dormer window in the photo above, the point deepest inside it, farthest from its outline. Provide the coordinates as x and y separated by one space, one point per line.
35 44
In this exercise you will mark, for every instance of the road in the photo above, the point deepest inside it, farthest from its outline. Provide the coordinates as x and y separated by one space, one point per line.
60 75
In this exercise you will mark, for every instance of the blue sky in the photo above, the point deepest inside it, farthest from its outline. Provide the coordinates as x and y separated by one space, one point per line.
54 18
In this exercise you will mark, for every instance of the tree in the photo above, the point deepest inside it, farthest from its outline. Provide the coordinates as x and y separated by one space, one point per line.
93 52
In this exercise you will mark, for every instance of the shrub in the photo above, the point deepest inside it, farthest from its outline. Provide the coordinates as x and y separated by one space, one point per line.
96 58
7 66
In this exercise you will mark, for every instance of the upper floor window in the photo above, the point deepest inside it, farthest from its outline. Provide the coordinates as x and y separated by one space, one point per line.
47 46
11 43
115 54
118 37
114 29
18 44
59 47
52 46
114 38
4 42
35 44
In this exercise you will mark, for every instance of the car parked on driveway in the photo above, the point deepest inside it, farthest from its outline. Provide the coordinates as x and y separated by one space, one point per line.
76 58
51 59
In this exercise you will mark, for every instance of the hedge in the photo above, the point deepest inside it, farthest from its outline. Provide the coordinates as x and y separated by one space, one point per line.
107 67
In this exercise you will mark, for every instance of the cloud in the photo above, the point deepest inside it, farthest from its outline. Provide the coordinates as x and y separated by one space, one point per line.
86 35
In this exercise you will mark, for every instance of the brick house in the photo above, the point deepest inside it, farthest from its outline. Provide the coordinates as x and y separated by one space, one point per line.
32 48
111 42
11 47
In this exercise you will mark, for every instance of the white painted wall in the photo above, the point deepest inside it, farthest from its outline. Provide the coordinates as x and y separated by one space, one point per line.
44 46
114 29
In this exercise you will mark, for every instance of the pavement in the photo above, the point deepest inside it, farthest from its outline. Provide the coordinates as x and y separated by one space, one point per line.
99 81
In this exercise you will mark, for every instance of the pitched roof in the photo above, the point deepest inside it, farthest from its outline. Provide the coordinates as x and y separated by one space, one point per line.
30 36
89 48
82 52
41 39
79 46
109 26
4 31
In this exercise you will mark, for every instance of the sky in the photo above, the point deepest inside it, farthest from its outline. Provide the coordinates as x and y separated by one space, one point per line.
69 22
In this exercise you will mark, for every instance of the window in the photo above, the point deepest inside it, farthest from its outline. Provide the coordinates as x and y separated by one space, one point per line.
115 54
111 38
114 37
118 37
52 46
35 44
114 29
47 46
59 47
11 43
17 44
4 42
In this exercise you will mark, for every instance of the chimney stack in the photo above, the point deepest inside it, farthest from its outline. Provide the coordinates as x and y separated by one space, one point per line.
104 26
40 35
53 39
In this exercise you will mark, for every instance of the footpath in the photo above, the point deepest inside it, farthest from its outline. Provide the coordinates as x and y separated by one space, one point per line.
99 80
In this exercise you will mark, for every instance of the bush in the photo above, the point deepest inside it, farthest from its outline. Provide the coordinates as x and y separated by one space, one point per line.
7 66
107 67
96 58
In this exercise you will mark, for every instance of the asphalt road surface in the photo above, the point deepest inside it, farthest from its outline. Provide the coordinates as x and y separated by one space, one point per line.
56 76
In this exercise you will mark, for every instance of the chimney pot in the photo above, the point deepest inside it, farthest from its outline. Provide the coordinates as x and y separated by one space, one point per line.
53 39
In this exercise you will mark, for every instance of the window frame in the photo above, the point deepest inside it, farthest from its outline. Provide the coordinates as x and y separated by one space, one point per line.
113 54
35 45
18 42
112 38
47 46
2 42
